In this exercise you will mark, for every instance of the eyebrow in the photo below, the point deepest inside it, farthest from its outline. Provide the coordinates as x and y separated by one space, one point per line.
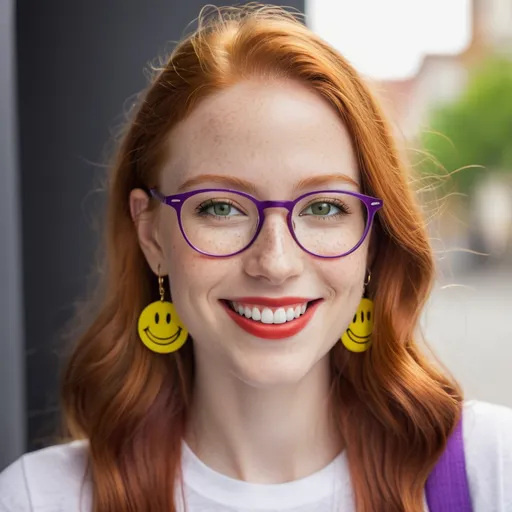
250 188
324 179
228 181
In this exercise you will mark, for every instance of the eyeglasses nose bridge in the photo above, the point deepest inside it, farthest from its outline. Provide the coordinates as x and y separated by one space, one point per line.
286 205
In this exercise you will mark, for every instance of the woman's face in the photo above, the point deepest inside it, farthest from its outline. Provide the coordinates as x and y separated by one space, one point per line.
277 140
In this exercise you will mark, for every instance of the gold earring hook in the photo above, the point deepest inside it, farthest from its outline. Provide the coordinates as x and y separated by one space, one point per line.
161 285
366 283
368 278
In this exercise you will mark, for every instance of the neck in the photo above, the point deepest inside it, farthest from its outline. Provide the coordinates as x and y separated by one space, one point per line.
270 435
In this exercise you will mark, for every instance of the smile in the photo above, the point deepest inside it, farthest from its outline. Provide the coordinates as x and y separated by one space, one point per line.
269 315
162 341
353 337
272 321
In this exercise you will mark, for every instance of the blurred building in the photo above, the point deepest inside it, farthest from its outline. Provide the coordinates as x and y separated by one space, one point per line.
486 227
442 78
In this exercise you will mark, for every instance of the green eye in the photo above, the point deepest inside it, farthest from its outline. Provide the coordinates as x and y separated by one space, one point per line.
321 209
217 208
221 209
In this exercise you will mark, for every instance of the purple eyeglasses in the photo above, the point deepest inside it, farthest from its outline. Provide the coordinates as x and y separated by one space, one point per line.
222 222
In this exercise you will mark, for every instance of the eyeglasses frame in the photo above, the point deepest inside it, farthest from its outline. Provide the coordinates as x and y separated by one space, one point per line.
176 201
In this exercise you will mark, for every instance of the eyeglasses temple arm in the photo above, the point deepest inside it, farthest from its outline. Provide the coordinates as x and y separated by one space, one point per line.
157 195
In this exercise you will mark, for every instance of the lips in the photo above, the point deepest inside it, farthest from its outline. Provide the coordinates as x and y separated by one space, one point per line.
278 330
271 302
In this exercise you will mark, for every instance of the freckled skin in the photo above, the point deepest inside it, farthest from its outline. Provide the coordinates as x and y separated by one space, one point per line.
274 135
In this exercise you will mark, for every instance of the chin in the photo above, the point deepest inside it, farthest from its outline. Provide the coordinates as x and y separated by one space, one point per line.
274 370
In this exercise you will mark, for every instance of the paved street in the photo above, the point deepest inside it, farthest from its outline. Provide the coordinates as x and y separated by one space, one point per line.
468 323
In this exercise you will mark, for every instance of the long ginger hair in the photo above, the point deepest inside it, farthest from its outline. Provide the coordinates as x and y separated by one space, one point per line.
394 409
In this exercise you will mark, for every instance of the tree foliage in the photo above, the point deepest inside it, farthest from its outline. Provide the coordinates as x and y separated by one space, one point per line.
476 129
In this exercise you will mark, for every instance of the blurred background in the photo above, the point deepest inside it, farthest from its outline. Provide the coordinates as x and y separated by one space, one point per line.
70 70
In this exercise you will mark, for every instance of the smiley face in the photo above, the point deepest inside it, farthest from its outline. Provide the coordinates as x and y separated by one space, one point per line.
160 328
357 337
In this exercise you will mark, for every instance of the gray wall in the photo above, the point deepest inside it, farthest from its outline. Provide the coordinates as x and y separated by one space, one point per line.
77 64
12 406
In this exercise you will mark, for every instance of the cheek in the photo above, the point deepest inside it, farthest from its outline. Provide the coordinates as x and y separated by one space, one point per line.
345 280
191 274
189 271
175 248
345 276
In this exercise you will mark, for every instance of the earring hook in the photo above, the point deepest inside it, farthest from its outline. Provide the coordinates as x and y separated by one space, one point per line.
161 285
368 277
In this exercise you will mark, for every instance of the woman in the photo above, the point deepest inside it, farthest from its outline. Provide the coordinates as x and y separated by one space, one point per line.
266 269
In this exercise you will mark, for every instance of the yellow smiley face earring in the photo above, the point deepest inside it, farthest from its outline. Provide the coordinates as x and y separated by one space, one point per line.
358 336
159 326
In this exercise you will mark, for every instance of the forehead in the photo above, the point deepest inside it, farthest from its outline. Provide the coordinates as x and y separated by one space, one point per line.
272 134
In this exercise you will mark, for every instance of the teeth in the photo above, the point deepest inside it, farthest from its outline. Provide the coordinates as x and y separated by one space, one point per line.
279 316
267 315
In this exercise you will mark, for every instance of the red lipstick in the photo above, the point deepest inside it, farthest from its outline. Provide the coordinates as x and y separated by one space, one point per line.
272 331
271 302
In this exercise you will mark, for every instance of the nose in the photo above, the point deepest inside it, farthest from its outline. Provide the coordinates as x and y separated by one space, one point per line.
274 256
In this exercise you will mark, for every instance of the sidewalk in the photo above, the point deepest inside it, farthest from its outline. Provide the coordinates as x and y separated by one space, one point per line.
468 324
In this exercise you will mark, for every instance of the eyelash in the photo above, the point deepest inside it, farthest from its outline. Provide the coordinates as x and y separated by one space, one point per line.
344 208
201 209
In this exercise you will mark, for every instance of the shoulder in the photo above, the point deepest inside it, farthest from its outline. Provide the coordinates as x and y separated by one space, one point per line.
487 431
50 479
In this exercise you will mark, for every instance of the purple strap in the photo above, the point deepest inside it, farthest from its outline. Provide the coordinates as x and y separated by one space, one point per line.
447 488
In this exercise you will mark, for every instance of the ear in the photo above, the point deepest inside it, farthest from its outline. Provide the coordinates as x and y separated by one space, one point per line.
146 226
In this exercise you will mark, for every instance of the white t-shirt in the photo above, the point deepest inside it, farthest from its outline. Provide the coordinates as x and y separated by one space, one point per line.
50 480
